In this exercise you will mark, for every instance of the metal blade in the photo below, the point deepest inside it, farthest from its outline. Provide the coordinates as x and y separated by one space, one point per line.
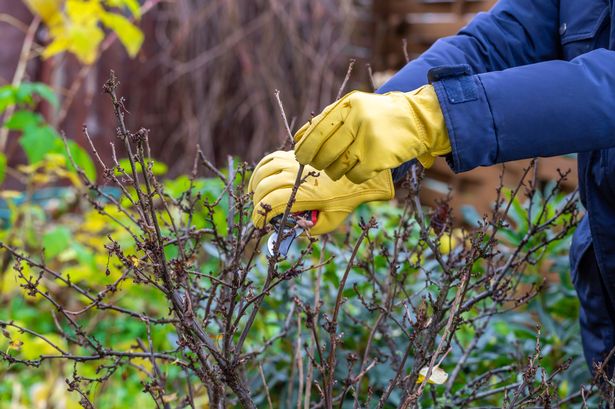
289 235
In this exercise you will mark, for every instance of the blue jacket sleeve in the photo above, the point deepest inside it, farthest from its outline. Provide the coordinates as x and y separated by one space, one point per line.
512 33
542 109
504 94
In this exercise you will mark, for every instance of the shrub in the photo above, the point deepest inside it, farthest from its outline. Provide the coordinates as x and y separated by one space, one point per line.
164 284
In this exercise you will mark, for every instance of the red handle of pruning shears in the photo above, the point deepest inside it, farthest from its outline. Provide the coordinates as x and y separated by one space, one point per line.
291 230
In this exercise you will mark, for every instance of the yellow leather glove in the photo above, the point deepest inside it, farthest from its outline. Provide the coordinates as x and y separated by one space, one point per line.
275 175
363 134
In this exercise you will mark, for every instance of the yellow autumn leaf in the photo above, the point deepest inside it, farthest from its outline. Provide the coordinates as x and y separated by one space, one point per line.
8 282
75 26
130 36
41 178
50 11
78 38
134 260
74 179
34 347
438 375
30 346
202 401
415 259
112 269
93 222
84 12
29 169
449 241
54 160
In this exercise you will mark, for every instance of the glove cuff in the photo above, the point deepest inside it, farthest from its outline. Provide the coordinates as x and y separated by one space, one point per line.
431 125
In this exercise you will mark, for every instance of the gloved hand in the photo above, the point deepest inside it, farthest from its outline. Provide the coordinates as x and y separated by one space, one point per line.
275 175
363 134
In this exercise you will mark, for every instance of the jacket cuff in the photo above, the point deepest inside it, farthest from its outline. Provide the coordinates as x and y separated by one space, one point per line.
399 172
467 115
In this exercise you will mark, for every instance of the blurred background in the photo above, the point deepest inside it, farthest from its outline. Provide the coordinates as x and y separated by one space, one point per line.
206 73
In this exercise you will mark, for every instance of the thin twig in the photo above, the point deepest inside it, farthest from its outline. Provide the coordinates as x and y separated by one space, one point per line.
346 79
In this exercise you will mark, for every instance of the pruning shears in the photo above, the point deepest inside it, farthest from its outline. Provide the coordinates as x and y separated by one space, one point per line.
296 224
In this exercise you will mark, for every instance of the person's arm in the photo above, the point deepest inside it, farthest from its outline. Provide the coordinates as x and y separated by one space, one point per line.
542 109
536 108
539 107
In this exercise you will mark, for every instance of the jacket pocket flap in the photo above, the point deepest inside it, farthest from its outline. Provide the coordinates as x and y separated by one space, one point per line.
581 20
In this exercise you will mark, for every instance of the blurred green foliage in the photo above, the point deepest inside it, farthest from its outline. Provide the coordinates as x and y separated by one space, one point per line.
72 236
37 138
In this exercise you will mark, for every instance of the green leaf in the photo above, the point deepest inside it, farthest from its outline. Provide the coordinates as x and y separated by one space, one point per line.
158 168
56 241
24 93
40 89
171 251
7 97
129 34
38 142
2 167
80 156
23 120
85 256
